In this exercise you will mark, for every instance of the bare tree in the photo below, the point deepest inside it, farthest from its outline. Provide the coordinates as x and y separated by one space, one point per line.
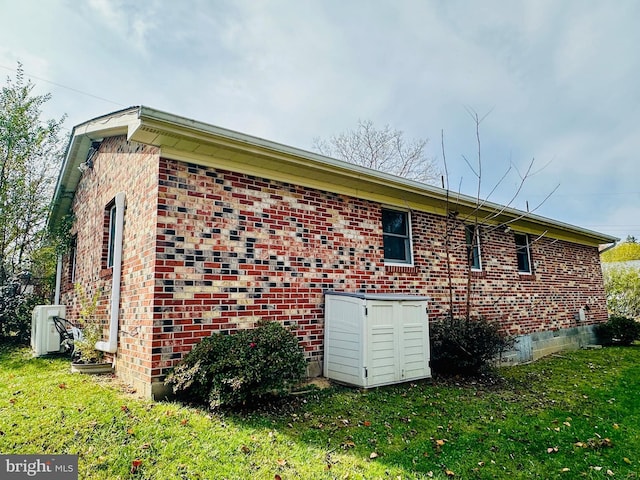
480 220
382 149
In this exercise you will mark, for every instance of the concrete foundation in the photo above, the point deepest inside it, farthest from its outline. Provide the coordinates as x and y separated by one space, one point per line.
536 345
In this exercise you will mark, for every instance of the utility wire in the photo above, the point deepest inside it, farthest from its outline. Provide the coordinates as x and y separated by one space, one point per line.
65 87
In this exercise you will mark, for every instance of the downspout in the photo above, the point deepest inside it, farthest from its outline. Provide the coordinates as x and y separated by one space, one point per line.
111 345
56 298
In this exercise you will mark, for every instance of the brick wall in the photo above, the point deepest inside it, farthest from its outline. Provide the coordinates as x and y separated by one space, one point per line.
234 249
133 169
207 250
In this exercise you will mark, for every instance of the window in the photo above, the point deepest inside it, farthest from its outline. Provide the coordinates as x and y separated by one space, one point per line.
73 255
472 233
112 235
523 253
396 236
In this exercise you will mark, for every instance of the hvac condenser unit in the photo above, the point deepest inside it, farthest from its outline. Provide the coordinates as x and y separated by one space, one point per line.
375 339
45 338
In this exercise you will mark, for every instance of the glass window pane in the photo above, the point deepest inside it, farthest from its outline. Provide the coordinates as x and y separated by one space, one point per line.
395 248
522 253
394 222
112 234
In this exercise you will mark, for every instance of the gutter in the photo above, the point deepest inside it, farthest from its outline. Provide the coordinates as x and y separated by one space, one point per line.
111 345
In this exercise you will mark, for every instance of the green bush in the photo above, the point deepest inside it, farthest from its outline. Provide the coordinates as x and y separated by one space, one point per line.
16 307
463 346
618 330
238 369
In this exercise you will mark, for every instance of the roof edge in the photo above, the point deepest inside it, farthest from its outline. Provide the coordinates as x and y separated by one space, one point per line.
132 120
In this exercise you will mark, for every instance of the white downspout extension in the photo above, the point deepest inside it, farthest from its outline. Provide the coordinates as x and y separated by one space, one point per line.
111 345
56 298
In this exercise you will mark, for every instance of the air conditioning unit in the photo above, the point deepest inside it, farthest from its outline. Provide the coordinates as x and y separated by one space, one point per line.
45 338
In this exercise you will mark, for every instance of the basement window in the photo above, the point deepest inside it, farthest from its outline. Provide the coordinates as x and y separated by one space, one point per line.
472 235
396 236
523 253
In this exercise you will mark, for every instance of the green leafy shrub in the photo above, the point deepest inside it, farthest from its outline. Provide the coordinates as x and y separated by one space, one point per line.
465 345
238 369
84 349
618 330
622 286
16 307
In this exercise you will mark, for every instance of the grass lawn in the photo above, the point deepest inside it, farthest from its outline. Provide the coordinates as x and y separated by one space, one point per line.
575 415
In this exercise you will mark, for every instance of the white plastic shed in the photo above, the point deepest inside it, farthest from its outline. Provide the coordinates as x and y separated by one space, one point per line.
374 339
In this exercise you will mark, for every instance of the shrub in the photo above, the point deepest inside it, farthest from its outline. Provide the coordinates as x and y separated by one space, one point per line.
465 345
84 348
622 286
239 369
16 306
618 330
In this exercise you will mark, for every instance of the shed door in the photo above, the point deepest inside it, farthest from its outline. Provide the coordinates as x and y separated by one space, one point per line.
382 365
398 343
414 340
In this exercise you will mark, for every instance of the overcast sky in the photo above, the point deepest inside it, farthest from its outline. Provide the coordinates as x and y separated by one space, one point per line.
559 80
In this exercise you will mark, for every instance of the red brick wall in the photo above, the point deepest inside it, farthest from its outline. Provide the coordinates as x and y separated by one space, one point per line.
207 250
234 249
133 169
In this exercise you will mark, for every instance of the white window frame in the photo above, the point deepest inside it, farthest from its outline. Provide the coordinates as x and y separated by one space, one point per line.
527 248
475 229
409 248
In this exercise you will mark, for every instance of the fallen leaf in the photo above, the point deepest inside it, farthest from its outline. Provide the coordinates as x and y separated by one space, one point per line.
610 473
62 386
130 431
282 462
566 423
616 426
367 423
124 408
449 473
440 443
373 455
348 444
565 469
552 450
597 469
135 465
184 421
145 446
580 444
626 460
245 449
277 477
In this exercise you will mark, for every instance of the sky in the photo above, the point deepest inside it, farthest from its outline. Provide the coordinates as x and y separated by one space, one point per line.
555 82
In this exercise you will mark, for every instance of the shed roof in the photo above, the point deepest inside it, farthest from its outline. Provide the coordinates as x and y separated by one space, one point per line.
189 140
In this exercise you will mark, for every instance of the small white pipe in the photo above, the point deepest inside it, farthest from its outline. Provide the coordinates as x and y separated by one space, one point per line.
111 345
56 298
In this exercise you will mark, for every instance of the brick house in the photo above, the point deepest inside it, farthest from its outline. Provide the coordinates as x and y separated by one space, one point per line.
188 229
